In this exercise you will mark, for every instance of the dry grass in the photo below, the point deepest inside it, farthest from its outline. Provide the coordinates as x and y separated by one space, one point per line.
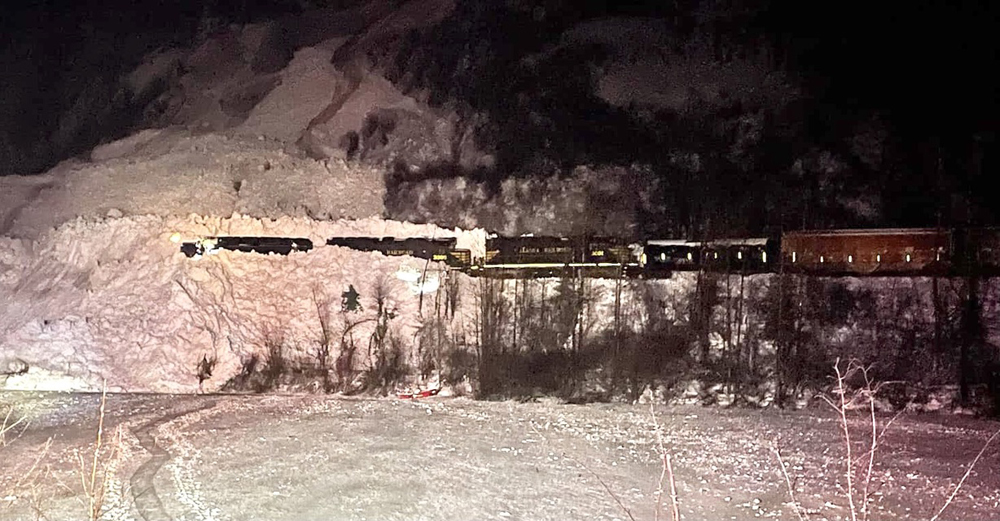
800 513
859 470
967 472
9 424
33 486
97 474
667 473
28 484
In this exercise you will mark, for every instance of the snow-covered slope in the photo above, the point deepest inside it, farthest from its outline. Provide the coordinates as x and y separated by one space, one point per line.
114 299
91 287
172 172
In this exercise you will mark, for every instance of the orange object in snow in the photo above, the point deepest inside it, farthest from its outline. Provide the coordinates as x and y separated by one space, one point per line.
418 394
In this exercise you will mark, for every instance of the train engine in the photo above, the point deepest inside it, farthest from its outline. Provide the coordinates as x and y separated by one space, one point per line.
540 256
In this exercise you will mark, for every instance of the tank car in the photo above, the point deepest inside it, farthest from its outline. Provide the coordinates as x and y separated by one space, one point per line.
265 245
439 250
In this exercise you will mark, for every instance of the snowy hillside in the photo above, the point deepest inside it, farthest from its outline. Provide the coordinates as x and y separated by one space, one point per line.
364 120
247 139
172 172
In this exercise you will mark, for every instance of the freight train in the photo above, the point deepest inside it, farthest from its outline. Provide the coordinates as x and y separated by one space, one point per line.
872 252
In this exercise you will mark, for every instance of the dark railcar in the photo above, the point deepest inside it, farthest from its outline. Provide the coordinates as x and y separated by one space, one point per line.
918 251
755 255
440 250
978 251
662 257
263 245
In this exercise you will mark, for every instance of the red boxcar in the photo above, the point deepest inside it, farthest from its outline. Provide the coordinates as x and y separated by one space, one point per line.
917 251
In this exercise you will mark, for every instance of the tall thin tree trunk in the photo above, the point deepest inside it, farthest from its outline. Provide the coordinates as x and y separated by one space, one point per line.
971 336
616 356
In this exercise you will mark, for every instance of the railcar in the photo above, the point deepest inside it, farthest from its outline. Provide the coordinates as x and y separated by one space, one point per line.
439 250
977 251
541 256
527 256
754 255
757 255
264 245
661 257
918 251
859 252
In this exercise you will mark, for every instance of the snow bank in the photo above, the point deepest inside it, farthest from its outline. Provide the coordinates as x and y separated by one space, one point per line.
114 299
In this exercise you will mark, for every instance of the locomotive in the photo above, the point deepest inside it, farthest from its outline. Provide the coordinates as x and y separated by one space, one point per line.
540 256
857 252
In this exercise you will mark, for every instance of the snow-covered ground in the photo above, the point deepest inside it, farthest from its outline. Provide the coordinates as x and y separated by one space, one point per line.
314 457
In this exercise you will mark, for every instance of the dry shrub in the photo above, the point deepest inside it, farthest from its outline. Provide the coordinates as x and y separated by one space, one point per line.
98 466
9 424
859 469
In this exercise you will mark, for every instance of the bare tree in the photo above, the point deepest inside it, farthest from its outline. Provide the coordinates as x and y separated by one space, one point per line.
492 312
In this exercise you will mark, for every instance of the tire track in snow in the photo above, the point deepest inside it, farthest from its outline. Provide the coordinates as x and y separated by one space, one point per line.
147 502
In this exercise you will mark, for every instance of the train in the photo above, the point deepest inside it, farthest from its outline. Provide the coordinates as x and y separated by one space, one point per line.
845 252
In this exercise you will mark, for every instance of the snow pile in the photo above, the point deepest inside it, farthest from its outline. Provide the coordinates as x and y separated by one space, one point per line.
172 172
114 299
306 87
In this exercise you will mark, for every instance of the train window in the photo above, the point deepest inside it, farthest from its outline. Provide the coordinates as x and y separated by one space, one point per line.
793 256
850 258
